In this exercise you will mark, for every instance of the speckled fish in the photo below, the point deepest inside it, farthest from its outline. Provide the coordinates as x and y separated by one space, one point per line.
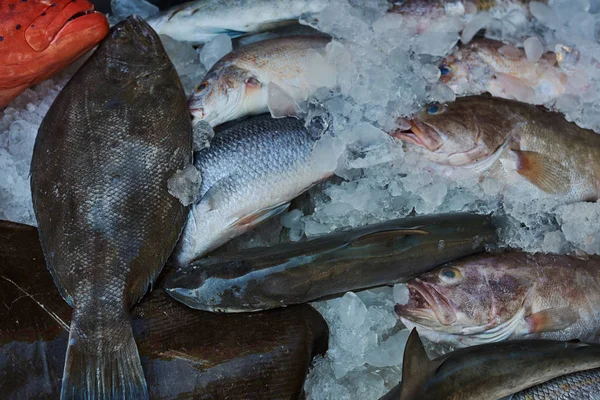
291 273
184 353
584 385
486 65
250 172
38 38
200 21
489 371
239 83
104 152
513 295
521 146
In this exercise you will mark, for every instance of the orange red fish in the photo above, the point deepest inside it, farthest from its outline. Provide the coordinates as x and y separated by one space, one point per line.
38 38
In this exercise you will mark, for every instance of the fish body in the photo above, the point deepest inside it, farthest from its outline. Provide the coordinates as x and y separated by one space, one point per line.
512 295
184 353
251 171
104 152
238 84
522 146
291 273
490 371
200 21
39 38
485 65
584 385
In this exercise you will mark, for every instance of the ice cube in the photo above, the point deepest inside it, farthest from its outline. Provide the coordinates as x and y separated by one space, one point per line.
124 8
400 293
185 185
202 135
352 310
390 352
479 22
214 50
544 13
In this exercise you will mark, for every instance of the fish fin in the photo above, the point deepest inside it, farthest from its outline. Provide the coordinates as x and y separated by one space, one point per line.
99 371
547 174
507 85
280 103
251 220
552 319
416 366
385 236
214 195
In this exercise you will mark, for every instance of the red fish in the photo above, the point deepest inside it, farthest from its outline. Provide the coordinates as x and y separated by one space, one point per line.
39 38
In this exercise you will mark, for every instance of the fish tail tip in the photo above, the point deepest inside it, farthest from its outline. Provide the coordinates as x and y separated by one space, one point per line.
93 374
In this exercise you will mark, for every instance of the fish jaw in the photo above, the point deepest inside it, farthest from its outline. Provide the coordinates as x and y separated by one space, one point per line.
426 305
420 134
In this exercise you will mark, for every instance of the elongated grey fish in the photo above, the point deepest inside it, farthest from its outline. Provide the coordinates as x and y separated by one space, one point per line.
104 152
584 385
200 21
488 371
379 254
250 172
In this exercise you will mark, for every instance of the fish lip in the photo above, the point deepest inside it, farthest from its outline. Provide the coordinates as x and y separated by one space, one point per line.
420 134
197 113
425 299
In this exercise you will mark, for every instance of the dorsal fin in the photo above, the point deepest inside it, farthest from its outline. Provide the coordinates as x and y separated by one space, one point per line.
416 367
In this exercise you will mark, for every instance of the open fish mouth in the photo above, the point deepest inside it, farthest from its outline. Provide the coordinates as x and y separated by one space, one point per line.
420 134
426 305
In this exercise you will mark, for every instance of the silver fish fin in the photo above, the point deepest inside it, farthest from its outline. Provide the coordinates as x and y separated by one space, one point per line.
101 371
416 366
552 319
545 173
250 221
214 195
280 103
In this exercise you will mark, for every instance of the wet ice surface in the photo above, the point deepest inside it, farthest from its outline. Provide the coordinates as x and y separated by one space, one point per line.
385 69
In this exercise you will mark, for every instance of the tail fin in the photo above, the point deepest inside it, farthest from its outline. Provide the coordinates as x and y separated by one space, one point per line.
94 371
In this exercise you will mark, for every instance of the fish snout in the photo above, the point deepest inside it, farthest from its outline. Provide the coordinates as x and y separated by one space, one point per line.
418 133
198 114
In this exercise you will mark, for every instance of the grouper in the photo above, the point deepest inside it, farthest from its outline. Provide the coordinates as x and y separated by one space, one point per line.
107 223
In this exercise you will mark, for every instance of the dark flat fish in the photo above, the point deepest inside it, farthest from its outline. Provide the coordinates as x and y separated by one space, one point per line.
291 273
184 353
104 152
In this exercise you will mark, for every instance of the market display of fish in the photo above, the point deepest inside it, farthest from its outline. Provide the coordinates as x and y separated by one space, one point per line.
200 21
291 273
510 295
489 371
250 172
519 145
39 38
183 352
104 152
241 83
502 70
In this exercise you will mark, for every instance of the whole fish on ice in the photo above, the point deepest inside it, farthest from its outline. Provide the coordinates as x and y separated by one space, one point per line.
200 21
488 371
250 172
513 295
39 38
576 386
521 146
102 158
241 83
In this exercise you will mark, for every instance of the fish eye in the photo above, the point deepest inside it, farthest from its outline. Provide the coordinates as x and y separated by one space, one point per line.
445 70
252 82
436 109
202 86
449 274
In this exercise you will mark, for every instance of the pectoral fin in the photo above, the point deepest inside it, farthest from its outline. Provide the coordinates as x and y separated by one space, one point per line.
251 220
552 319
547 174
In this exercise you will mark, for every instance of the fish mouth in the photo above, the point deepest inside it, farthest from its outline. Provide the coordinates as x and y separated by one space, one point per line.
420 134
426 304
198 114
75 18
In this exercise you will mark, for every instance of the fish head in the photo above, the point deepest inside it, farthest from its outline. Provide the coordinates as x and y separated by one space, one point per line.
462 133
467 297
227 92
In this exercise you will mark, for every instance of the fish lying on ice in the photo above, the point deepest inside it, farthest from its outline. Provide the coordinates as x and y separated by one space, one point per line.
104 152
511 295
250 172
486 65
200 21
521 146
291 273
183 352
239 84
576 386
38 38
488 371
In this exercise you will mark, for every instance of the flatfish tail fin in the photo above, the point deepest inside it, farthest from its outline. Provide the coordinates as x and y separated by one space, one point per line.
99 371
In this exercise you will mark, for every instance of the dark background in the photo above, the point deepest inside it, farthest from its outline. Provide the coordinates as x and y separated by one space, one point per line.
104 5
